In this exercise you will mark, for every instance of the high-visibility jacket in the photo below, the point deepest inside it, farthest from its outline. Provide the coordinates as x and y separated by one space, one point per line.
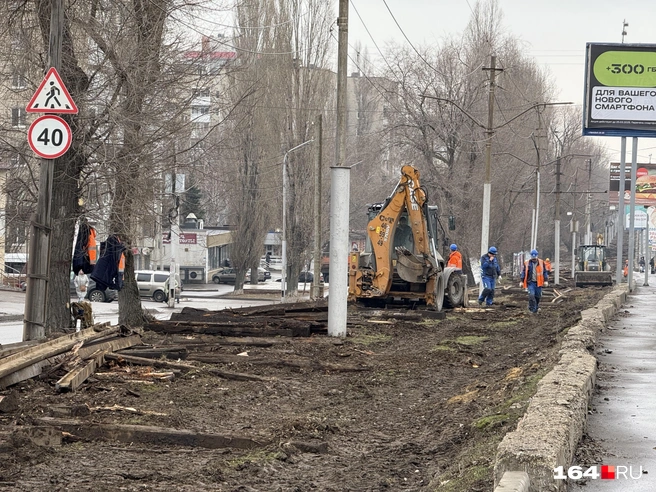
547 265
540 272
455 260
92 246
121 263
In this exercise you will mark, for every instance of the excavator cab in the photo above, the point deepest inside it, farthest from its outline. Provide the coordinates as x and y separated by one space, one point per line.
592 267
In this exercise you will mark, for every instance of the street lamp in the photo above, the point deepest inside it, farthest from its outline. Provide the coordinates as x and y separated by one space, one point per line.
283 280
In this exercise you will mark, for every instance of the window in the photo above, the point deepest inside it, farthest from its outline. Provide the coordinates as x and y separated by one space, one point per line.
143 277
18 117
161 277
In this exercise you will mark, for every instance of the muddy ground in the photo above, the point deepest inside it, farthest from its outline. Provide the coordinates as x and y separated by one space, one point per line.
396 405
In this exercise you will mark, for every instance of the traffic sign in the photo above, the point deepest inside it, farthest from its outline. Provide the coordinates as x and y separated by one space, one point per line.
52 96
49 136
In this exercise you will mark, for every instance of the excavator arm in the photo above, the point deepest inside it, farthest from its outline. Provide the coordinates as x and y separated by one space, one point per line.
415 262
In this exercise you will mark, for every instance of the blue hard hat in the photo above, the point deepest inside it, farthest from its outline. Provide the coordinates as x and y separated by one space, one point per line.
492 250
453 247
534 253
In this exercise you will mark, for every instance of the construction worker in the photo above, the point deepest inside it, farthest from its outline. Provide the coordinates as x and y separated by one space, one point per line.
534 276
547 265
489 272
455 258
625 270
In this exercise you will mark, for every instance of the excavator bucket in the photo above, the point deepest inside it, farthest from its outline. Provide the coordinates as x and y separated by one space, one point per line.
412 268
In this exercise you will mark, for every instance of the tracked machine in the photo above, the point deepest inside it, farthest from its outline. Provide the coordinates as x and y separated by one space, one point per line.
399 266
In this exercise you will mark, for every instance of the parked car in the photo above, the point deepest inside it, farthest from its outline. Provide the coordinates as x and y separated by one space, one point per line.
229 275
151 284
306 277
93 293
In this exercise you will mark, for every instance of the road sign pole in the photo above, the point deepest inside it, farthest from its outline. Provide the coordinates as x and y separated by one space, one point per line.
39 248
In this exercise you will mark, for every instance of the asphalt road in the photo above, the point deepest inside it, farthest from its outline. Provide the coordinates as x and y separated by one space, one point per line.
205 296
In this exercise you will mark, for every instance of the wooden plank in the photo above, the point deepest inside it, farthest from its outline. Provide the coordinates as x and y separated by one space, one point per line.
109 346
151 435
141 361
12 348
30 371
238 376
77 376
173 352
26 358
226 329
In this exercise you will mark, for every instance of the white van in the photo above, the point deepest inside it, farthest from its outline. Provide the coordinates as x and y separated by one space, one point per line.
151 283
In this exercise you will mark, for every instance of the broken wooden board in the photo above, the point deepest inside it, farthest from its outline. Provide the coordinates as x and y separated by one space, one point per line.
12 348
141 361
112 345
74 378
29 356
146 434
30 371
173 352
285 328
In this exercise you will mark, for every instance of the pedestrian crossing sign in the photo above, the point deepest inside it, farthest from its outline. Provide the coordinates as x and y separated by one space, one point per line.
52 96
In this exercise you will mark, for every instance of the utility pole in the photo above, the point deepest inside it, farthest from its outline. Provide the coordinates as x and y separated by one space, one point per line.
620 213
174 219
317 210
38 265
340 191
588 206
487 186
647 254
574 225
557 226
634 168
536 200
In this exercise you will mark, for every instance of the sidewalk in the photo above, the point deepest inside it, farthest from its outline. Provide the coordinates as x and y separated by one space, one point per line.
623 416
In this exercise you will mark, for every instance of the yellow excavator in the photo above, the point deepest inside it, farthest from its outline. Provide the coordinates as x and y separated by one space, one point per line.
401 263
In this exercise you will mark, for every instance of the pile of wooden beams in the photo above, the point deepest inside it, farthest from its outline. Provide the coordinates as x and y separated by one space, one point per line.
290 320
80 353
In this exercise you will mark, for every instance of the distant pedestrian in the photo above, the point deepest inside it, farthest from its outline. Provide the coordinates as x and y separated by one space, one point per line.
651 265
534 276
81 283
489 272
267 259
625 270
547 265
642 264
455 258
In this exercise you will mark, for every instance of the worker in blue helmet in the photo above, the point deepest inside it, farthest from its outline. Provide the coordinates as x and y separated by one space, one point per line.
534 276
490 271
455 258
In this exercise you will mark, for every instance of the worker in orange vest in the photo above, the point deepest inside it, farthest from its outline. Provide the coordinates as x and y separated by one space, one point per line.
455 258
534 277
547 265
625 270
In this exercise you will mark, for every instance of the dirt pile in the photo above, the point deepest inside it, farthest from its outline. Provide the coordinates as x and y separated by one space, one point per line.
397 405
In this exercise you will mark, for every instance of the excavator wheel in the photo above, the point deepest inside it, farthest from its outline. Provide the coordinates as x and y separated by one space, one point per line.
454 291
439 293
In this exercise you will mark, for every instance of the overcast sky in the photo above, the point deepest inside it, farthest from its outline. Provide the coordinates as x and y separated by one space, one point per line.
555 33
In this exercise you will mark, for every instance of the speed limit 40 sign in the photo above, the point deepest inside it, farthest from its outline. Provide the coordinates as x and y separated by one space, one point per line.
49 136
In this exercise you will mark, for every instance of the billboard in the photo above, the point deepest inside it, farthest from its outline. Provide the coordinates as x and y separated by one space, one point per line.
620 90
645 184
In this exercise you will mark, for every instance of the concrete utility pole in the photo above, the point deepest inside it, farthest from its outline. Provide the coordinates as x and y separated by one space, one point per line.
174 218
620 214
317 211
574 225
340 192
487 186
634 168
38 265
588 207
647 254
557 226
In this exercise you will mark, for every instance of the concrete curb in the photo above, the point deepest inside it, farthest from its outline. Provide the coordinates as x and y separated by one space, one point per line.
549 431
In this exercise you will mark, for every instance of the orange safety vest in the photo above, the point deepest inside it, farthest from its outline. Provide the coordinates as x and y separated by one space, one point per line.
547 265
121 263
539 272
455 260
92 247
